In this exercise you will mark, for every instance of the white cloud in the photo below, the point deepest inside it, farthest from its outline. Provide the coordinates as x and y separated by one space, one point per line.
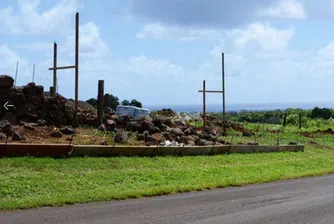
263 36
286 9
160 31
27 18
9 59
150 67
90 40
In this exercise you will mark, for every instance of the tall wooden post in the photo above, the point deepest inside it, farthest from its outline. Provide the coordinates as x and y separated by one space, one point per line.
204 104
76 64
223 88
17 69
100 102
54 68
33 73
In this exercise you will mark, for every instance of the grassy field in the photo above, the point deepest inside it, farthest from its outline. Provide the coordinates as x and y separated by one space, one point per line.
35 182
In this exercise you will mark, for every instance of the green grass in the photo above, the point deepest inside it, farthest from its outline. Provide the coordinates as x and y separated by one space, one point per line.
34 182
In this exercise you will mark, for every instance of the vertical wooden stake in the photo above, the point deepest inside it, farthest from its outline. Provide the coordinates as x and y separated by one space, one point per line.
76 98
204 104
223 88
33 73
54 68
17 69
76 61
100 102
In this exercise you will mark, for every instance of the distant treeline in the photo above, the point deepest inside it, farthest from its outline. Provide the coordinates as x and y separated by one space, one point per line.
113 102
277 116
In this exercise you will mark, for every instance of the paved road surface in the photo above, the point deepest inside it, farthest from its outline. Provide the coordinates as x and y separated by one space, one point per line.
308 200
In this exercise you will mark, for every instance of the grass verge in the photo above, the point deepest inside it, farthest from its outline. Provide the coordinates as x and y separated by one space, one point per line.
35 182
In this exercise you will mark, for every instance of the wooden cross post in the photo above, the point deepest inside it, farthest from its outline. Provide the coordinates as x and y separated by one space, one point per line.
204 91
76 67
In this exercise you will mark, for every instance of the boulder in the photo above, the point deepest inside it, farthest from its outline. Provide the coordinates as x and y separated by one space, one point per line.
41 122
121 137
6 127
161 122
67 130
147 125
180 123
208 137
157 137
190 131
176 131
110 125
201 142
102 127
17 96
209 131
18 135
164 112
188 140
29 91
29 126
6 82
56 134
195 137
133 126
141 126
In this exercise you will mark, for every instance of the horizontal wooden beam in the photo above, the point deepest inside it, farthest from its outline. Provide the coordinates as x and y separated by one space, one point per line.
63 67
210 91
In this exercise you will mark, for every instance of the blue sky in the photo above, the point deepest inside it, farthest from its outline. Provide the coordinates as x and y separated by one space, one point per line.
158 52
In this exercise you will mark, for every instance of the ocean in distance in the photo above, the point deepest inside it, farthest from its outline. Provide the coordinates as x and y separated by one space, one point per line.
239 107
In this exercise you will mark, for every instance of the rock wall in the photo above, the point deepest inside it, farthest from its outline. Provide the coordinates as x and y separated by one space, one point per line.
31 104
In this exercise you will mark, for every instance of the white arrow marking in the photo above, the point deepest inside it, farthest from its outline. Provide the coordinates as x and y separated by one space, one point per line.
7 105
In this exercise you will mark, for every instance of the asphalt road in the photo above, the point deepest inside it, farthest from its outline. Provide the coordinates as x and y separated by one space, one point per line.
309 200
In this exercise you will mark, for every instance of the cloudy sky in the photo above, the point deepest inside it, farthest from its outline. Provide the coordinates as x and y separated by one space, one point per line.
159 51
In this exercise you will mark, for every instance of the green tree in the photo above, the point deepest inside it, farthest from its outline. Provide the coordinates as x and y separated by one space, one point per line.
136 103
113 101
125 103
324 113
92 101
